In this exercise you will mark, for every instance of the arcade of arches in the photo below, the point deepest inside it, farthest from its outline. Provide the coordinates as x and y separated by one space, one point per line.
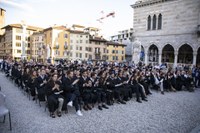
184 55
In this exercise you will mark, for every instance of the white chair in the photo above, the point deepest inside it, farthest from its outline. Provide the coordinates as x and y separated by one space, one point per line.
3 110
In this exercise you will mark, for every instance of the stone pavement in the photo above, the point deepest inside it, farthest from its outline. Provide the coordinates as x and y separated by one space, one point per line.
170 113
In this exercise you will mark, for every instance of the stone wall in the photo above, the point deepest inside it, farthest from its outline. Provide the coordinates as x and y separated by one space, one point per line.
180 20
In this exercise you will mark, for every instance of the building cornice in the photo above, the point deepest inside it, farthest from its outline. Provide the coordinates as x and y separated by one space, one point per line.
142 3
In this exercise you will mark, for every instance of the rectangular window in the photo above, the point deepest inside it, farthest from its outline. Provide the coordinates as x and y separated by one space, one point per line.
29 45
76 54
76 47
104 50
18 51
122 58
18 44
80 55
81 41
28 52
80 48
86 41
76 41
18 37
90 56
116 57
122 52
86 55
65 35
113 51
113 57
71 47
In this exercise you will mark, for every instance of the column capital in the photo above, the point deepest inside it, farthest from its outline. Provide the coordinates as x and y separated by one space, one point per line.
175 52
194 52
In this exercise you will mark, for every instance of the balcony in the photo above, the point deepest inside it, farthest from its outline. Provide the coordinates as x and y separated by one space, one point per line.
97 53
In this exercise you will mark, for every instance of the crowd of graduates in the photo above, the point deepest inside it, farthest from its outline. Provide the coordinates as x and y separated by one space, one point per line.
101 85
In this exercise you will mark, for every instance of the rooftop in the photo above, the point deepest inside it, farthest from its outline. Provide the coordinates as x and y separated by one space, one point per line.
34 28
99 39
115 43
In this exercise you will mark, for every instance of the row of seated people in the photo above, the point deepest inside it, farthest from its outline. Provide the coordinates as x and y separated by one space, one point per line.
65 86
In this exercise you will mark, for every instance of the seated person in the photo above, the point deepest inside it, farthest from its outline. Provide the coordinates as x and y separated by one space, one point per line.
54 98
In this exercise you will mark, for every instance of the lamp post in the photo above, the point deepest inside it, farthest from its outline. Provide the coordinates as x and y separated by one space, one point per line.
24 26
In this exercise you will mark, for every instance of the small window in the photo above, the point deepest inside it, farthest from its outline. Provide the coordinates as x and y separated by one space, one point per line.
18 51
154 22
160 21
65 35
18 37
18 44
149 23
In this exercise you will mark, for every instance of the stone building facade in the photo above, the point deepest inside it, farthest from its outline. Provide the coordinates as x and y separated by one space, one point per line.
169 30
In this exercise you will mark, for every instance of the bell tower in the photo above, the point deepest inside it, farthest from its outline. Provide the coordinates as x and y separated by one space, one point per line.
2 20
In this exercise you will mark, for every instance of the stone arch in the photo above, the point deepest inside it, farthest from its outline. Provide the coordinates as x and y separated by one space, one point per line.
168 53
153 52
185 54
185 42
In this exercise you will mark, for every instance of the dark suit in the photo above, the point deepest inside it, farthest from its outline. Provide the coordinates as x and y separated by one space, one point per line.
40 85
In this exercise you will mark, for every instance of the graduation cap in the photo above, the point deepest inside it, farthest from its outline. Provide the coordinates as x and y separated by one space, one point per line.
112 72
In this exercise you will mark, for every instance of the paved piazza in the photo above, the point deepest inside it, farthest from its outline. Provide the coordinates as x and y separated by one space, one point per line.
170 113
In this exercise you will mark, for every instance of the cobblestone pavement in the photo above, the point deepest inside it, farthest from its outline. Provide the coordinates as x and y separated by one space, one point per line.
170 113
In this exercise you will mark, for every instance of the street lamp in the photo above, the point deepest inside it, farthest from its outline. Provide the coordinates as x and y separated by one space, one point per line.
24 26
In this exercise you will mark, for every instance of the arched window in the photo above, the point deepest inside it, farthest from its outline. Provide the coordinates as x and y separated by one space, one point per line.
160 21
149 23
154 22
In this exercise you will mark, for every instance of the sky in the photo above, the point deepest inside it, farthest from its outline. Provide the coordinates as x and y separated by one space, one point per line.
46 13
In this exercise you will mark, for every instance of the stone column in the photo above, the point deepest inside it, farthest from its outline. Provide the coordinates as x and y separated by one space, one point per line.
160 57
146 58
175 58
194 58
